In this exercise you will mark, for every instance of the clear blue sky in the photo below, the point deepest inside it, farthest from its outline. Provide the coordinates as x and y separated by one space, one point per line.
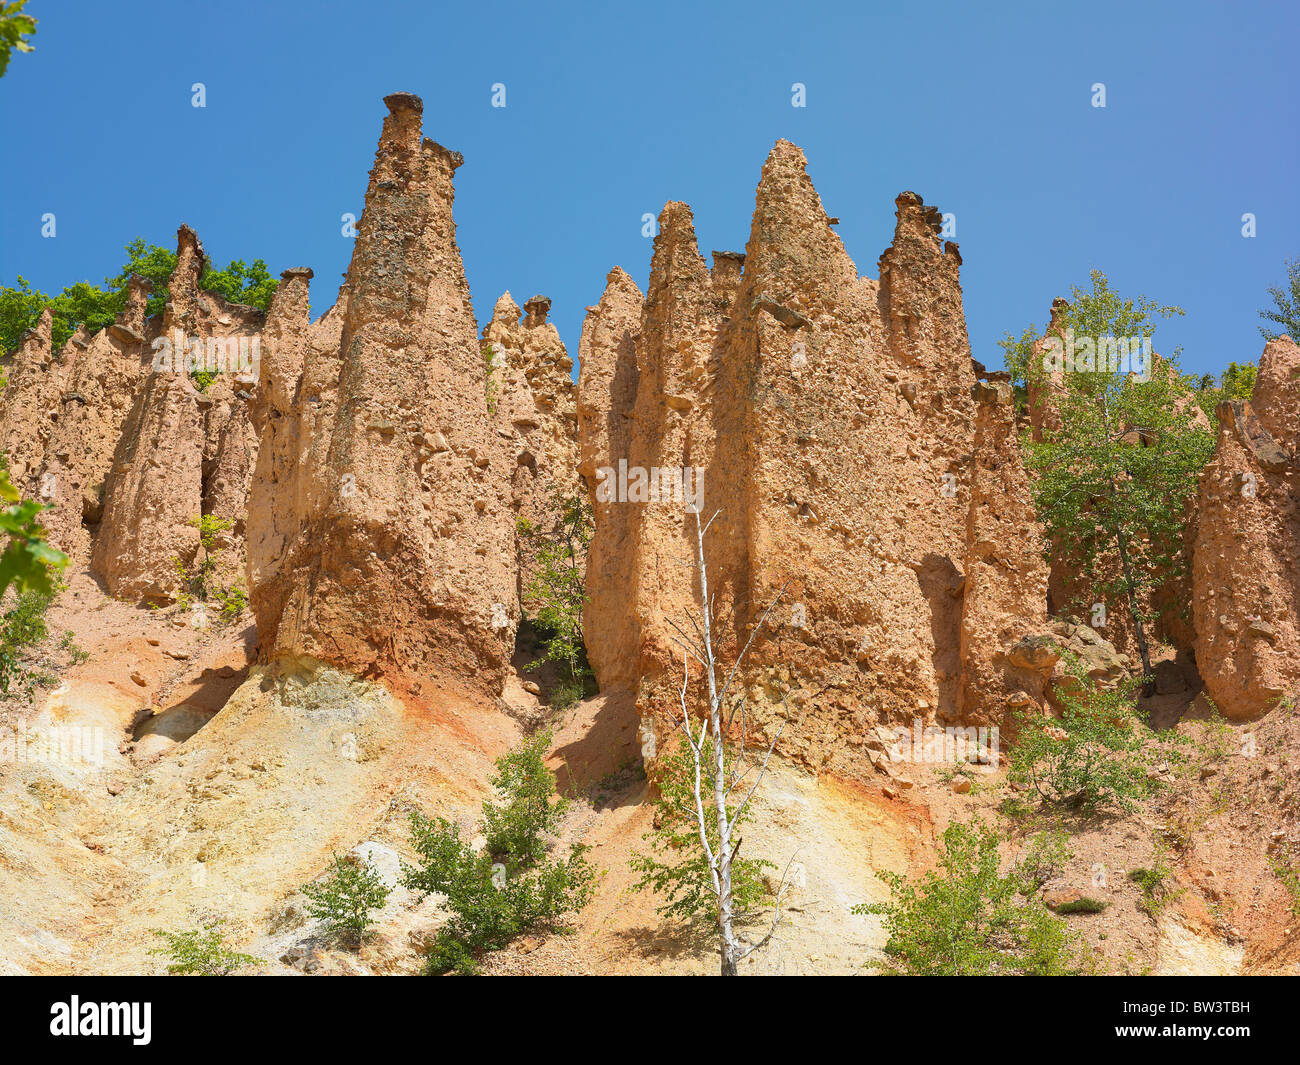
613 109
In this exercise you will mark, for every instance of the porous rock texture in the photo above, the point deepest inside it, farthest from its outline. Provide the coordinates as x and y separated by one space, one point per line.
607 388
181 453
1006 578
534 402
1246 566
385 535
833 420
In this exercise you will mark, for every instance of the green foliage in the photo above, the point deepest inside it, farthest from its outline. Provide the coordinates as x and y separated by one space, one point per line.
201 952
675 865
1290 877
345 897
96 307
1154 882
966 919
1095 755
28 562
20 309
1045 857
1083 904
14 27
22 627
1286 306
511 886
240 282
557 590
1111 487
491 386
196 580
1236 382
69 646
526 785
1018 354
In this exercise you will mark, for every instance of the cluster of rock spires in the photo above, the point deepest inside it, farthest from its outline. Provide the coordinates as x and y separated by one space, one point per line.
863 468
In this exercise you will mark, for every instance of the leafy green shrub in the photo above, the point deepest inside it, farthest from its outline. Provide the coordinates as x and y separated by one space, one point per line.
1084 904
202 952
196 580
1153 880
514 828
1290 877
28 563
1044 858
76 654
676 866
345 897
1094 755
558 592
511 886
97 307
965 919
22 627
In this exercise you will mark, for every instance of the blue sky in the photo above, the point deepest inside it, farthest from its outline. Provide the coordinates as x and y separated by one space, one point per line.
613 109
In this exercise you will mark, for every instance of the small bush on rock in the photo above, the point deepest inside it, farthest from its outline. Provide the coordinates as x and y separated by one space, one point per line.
510 886
345 898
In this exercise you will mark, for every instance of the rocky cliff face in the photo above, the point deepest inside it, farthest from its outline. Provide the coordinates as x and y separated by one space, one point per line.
831 419
1005 592
182 453
607 388
1246 569
393 547
530 388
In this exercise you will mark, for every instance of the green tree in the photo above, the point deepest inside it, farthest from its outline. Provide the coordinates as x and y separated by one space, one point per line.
556 588
202 952
345 898
515 826
1112 485
14 27
96 307
967 919
675 864
509 887
1096 754
1286 306
28 562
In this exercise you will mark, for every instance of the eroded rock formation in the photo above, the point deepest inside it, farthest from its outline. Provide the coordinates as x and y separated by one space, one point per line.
531 389
831 417
1246 562
1005 592
182 453
391 546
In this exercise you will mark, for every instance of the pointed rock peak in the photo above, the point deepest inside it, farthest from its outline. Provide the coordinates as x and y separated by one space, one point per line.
676 251
537 309
915 218
619 280
401 130
189 260
37 339
290 296
398 102
1060 308
785 155
506 310
728 265
1276 398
